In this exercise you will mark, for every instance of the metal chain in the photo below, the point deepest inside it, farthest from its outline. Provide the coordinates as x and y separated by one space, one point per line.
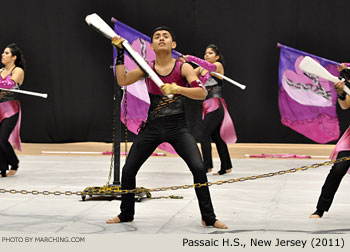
126 122
167 197
111 166
117 190
113 137
35 192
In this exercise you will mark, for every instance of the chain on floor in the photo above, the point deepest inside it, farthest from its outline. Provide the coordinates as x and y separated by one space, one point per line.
116 190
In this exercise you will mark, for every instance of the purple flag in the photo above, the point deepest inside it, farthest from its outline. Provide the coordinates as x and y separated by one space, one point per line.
307 103
137 95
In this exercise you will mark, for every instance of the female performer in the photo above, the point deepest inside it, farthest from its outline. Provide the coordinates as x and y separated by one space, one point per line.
11 77
217 123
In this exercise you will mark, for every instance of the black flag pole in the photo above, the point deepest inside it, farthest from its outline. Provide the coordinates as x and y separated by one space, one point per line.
117 133
113 191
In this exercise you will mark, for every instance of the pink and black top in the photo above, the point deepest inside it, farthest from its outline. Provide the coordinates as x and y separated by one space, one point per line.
214 99
156 94
9 106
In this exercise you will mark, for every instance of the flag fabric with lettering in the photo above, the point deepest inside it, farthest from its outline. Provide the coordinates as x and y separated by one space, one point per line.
307 103
136 95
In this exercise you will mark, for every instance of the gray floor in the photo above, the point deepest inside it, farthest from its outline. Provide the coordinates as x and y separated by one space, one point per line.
280 204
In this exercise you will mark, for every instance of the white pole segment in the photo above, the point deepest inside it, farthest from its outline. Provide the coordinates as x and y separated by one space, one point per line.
25 92
95 21
310 66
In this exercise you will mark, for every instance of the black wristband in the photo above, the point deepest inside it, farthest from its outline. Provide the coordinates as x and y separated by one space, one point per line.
120 56
342 96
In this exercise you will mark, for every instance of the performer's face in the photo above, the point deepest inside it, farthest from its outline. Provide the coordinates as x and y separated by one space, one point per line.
7 57
210 55
162 40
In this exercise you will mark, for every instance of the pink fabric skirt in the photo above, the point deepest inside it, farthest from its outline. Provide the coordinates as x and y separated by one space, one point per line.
342 145
8 109
227 129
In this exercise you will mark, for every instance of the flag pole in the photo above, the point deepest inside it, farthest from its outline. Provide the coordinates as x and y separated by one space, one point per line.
305 53
25 92
113 190
117 133
178 54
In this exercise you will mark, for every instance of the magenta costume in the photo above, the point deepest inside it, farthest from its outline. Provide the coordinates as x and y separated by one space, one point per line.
227 129
174 76
9 107
217 123
10 118
174 106
343 144
165 123
156 95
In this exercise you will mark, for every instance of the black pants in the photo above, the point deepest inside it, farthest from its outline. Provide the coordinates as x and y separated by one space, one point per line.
7 154
332 182
171 129
211 130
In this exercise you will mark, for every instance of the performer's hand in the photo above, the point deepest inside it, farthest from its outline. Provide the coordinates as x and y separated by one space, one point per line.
341 67
184 58
339 87
172 88
117 41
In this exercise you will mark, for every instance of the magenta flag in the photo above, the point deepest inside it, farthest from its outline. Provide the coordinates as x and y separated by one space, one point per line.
136 94
307 103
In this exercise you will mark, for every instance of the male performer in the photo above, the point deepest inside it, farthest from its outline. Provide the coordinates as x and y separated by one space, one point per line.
165 122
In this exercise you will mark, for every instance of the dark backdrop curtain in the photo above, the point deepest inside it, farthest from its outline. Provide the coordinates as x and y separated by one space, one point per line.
71 62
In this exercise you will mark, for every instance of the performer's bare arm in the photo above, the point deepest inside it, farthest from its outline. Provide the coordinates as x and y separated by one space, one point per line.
197 70
219 69
18 75
196 93
128 78
339 86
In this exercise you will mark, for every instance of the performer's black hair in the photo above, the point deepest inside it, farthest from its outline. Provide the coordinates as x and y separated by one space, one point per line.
163 28
217 51
16 51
